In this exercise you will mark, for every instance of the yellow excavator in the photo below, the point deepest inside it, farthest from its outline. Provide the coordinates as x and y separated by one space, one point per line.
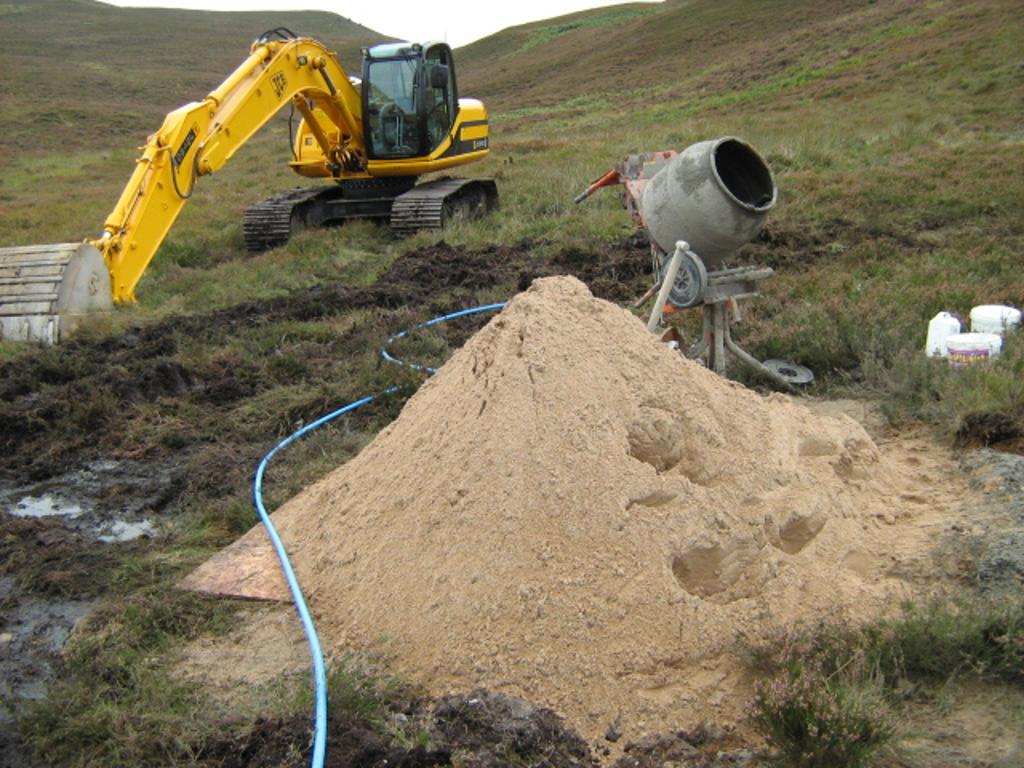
373 136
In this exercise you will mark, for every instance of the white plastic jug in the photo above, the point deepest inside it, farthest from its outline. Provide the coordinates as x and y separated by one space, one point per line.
940 328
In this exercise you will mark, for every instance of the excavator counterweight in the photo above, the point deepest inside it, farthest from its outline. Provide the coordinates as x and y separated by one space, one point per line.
372 138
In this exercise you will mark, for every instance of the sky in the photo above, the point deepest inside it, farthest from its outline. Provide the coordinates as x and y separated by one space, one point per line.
457 23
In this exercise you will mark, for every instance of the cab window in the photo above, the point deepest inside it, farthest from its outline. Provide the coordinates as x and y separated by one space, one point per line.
392 108
440 95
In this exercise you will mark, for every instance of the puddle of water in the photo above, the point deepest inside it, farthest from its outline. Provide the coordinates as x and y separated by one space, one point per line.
46 505
122 530
80 517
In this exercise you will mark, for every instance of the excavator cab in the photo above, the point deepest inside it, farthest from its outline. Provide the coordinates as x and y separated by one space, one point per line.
409 99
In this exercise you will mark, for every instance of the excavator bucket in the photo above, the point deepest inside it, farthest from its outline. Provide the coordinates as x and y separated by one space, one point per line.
45 290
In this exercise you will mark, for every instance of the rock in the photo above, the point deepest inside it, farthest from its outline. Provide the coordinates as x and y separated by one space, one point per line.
1001 567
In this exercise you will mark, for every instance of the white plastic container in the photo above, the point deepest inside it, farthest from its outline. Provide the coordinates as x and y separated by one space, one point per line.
940 328
994 318
973 348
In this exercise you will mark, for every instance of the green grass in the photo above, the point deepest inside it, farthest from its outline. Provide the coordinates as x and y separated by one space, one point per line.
790 80
116 702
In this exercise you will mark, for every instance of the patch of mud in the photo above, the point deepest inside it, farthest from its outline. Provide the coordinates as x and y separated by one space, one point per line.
44 506
107 500
987 428
778 246
480 729
442 276
56 536
48 559
495 729
33 631
782 246
704 747
1001 566
58 549
283 743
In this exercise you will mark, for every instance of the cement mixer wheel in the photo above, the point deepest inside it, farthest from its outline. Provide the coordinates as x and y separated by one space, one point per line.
789 371
690 283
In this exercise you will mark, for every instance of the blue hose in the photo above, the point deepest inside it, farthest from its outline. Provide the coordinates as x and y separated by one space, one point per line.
462 313
319 670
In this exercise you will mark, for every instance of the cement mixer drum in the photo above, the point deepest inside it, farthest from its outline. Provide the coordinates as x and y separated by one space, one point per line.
46 289
715 195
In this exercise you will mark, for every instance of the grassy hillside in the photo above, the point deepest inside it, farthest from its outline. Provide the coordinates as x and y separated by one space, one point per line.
893 129
78 74
623 50
895 132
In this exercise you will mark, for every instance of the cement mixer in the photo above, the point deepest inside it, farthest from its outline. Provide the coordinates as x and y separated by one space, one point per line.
698 207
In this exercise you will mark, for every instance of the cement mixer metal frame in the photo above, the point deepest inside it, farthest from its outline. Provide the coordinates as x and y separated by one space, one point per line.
720 307
718 299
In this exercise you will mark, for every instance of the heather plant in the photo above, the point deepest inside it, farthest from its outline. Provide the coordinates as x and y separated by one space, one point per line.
830 692
821 720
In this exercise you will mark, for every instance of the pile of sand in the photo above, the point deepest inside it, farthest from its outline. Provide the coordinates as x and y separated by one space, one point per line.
571 512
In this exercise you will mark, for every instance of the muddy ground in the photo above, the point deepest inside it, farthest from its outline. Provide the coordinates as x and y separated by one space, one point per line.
107 444
485 730
83 390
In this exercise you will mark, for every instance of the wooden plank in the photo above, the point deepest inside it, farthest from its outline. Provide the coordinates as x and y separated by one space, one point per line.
26 287
33 305
248 569
44 251
36 284
31 271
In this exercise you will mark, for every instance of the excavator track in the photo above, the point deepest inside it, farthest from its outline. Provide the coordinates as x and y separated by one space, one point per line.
434 204
272 222
431 205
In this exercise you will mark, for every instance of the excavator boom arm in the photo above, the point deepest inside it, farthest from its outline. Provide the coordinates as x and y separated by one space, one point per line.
199 138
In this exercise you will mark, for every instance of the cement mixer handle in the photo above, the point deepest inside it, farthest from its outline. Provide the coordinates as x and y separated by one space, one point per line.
610 178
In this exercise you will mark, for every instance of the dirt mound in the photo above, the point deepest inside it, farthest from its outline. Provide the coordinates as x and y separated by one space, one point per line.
572 513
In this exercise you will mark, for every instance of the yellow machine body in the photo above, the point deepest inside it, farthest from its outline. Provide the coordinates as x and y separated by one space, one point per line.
199 138
470 131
